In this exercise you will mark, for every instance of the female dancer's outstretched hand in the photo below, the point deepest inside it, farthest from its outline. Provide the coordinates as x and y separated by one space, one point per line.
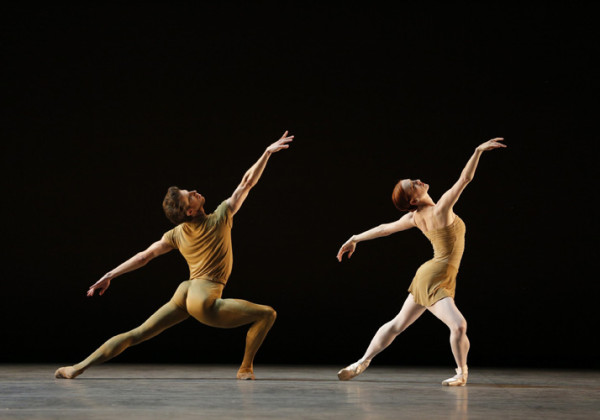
282 143
101 285
349 247
491 144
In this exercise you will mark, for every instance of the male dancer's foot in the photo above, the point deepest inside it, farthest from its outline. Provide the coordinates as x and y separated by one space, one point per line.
67 372
353 370
245 373
460 379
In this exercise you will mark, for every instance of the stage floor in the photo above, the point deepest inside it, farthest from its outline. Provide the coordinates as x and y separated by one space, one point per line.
295 392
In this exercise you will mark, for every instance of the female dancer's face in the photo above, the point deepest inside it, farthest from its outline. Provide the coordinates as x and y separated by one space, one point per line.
193 201
415 189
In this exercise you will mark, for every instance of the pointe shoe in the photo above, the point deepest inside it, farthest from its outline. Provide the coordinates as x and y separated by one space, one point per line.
353 370
460 379
246 375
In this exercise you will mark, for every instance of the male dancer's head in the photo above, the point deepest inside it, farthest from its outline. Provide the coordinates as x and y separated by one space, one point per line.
182 205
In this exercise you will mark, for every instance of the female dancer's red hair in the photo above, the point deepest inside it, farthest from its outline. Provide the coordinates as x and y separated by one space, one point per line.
401 199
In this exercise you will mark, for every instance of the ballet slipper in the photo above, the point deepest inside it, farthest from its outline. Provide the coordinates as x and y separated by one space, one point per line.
353 370
460 379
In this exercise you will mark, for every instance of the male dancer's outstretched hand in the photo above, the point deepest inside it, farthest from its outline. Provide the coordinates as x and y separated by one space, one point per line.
282 143
140 259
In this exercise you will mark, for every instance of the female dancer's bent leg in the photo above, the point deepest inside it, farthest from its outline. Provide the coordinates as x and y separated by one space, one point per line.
409 313
167 316
205 304
449 314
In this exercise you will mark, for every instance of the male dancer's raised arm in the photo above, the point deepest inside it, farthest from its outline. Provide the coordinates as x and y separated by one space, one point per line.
253 174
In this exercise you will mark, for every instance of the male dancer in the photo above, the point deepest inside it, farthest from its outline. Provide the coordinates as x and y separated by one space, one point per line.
205 242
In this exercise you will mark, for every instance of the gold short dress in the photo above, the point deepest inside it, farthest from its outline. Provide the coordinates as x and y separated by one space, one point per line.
436 279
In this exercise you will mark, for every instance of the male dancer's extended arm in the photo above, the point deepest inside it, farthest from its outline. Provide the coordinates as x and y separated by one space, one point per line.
253 174
385 229
138 260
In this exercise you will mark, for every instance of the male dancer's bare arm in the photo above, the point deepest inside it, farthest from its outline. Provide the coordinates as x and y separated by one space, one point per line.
138 260
253 174
385 229
450 197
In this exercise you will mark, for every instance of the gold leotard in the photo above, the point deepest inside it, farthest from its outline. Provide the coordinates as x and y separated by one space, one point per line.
436 279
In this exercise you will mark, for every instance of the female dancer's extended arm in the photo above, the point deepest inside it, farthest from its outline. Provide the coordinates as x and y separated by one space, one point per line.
138 260
450 197
385 229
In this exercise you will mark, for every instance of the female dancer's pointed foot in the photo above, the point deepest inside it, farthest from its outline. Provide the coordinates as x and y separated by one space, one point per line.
353 370
246 374
67 372
460 379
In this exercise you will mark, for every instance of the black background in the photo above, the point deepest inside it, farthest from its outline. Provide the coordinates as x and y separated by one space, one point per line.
106 106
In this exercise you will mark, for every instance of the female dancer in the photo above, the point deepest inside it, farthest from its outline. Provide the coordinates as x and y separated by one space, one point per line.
205 242
433 285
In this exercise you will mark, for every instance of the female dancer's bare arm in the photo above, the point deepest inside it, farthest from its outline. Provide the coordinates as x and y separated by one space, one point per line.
253 174
385 229
138 260
451 196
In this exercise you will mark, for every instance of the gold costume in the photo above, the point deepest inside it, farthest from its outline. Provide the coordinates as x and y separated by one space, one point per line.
206 245
436 279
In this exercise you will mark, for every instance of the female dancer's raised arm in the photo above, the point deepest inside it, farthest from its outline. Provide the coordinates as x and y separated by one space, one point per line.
449 199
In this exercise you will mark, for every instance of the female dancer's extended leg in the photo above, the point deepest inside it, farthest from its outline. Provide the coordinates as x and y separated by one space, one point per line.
449 314
409 313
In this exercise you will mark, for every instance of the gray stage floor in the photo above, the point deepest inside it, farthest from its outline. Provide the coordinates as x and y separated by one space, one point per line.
295 392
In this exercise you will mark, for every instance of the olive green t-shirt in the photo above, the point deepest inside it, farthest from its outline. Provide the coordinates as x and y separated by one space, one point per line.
206 245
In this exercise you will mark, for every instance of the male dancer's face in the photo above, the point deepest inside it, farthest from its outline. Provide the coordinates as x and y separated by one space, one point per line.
194 202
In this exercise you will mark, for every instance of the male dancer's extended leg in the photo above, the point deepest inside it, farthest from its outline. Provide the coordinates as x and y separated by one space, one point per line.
409 313
449 314
167 316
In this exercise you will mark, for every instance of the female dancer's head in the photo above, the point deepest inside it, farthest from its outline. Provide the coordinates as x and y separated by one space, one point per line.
408 194
182 205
